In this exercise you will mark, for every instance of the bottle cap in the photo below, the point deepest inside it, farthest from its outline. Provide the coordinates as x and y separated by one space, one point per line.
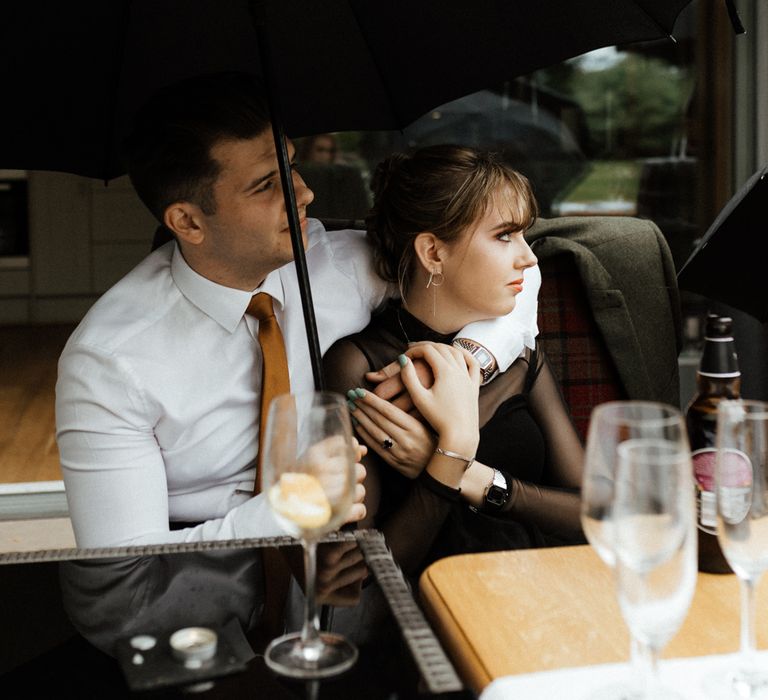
718 327
719 359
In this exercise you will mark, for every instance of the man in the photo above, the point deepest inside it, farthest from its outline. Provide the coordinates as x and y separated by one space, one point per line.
157 403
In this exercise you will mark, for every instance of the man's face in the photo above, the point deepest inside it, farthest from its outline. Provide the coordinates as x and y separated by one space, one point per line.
248 236
323 150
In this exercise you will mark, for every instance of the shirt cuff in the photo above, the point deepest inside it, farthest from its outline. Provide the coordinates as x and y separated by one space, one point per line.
506 338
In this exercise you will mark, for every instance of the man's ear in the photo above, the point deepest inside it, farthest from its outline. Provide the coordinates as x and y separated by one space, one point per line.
183 218
430 250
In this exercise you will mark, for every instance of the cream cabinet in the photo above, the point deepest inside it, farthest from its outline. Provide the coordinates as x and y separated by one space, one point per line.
84 236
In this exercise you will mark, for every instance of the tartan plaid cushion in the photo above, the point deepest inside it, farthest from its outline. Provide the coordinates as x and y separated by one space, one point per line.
572 342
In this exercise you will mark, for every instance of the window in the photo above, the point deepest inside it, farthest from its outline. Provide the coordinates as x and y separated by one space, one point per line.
641 130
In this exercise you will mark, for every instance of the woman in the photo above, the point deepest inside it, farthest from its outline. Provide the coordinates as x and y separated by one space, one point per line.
475 467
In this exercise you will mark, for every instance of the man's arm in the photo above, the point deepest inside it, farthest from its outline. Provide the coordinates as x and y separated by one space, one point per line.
505 338
112 464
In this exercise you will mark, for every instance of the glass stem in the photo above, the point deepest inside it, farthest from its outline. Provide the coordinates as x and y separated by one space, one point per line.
310 632
650 664
635 662
748 632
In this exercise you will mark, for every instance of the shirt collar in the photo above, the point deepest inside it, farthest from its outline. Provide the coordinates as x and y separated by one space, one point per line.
273 285
224 305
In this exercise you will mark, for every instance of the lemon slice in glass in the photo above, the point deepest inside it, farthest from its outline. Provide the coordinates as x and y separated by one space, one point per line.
300 498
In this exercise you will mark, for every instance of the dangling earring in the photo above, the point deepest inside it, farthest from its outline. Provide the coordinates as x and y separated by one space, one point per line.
435 280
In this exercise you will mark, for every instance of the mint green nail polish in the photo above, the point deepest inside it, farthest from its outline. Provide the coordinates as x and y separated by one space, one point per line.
351 395
403 360
359 393
351 405
355 422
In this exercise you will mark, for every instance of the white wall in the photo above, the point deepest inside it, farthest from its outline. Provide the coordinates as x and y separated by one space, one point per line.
84 236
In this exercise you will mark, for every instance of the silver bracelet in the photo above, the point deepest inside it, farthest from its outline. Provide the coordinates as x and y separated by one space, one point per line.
455 455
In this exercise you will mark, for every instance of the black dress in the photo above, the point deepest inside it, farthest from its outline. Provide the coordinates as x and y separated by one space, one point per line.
524 430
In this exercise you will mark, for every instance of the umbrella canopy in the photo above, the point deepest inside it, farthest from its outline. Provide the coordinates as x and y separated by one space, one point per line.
725 265
73 73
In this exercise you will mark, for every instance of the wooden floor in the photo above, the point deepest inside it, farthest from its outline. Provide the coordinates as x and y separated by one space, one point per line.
28 357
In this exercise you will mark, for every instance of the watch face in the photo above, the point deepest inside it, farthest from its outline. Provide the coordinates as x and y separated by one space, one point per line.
482 356
497 496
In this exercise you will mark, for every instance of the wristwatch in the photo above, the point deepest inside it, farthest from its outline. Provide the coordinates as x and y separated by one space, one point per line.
497 493
488 367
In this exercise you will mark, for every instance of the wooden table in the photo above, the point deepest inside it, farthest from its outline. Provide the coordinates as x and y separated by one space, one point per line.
534 610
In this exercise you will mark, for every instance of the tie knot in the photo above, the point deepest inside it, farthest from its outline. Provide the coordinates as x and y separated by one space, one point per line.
260 306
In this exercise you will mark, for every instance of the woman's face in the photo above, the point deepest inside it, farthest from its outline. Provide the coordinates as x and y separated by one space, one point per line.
484 269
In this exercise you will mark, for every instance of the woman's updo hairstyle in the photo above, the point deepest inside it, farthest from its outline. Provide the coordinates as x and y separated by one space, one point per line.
441 189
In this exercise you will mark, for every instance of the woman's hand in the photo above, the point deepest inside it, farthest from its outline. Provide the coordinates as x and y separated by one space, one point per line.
450 405
399 438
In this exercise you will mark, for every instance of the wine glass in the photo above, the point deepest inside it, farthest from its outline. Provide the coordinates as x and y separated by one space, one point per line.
610 425
655 543
741 471
309 480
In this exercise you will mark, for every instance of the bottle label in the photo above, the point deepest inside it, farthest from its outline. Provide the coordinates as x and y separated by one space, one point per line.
704 476
735 489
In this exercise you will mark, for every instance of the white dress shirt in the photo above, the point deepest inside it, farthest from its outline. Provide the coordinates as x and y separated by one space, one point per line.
158 390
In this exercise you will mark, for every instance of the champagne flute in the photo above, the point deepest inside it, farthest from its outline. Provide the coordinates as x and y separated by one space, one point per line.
655 542
741 472
611 424
309 479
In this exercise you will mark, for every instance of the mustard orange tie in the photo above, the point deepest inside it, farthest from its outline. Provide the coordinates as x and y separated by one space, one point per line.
274 374
274 381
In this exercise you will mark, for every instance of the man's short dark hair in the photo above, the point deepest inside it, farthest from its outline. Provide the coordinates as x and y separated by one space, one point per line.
168 153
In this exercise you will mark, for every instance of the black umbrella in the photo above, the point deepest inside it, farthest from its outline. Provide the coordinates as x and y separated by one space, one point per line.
725 265
72 74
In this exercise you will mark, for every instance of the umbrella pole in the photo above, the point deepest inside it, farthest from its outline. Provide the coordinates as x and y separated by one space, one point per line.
286 178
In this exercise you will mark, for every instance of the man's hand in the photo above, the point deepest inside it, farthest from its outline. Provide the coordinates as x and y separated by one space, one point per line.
358 511
389 383
341 571
328 461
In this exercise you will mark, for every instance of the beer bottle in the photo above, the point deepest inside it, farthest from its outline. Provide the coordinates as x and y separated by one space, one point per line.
718 378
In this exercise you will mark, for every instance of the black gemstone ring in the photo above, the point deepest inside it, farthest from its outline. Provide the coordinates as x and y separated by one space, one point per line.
387 444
